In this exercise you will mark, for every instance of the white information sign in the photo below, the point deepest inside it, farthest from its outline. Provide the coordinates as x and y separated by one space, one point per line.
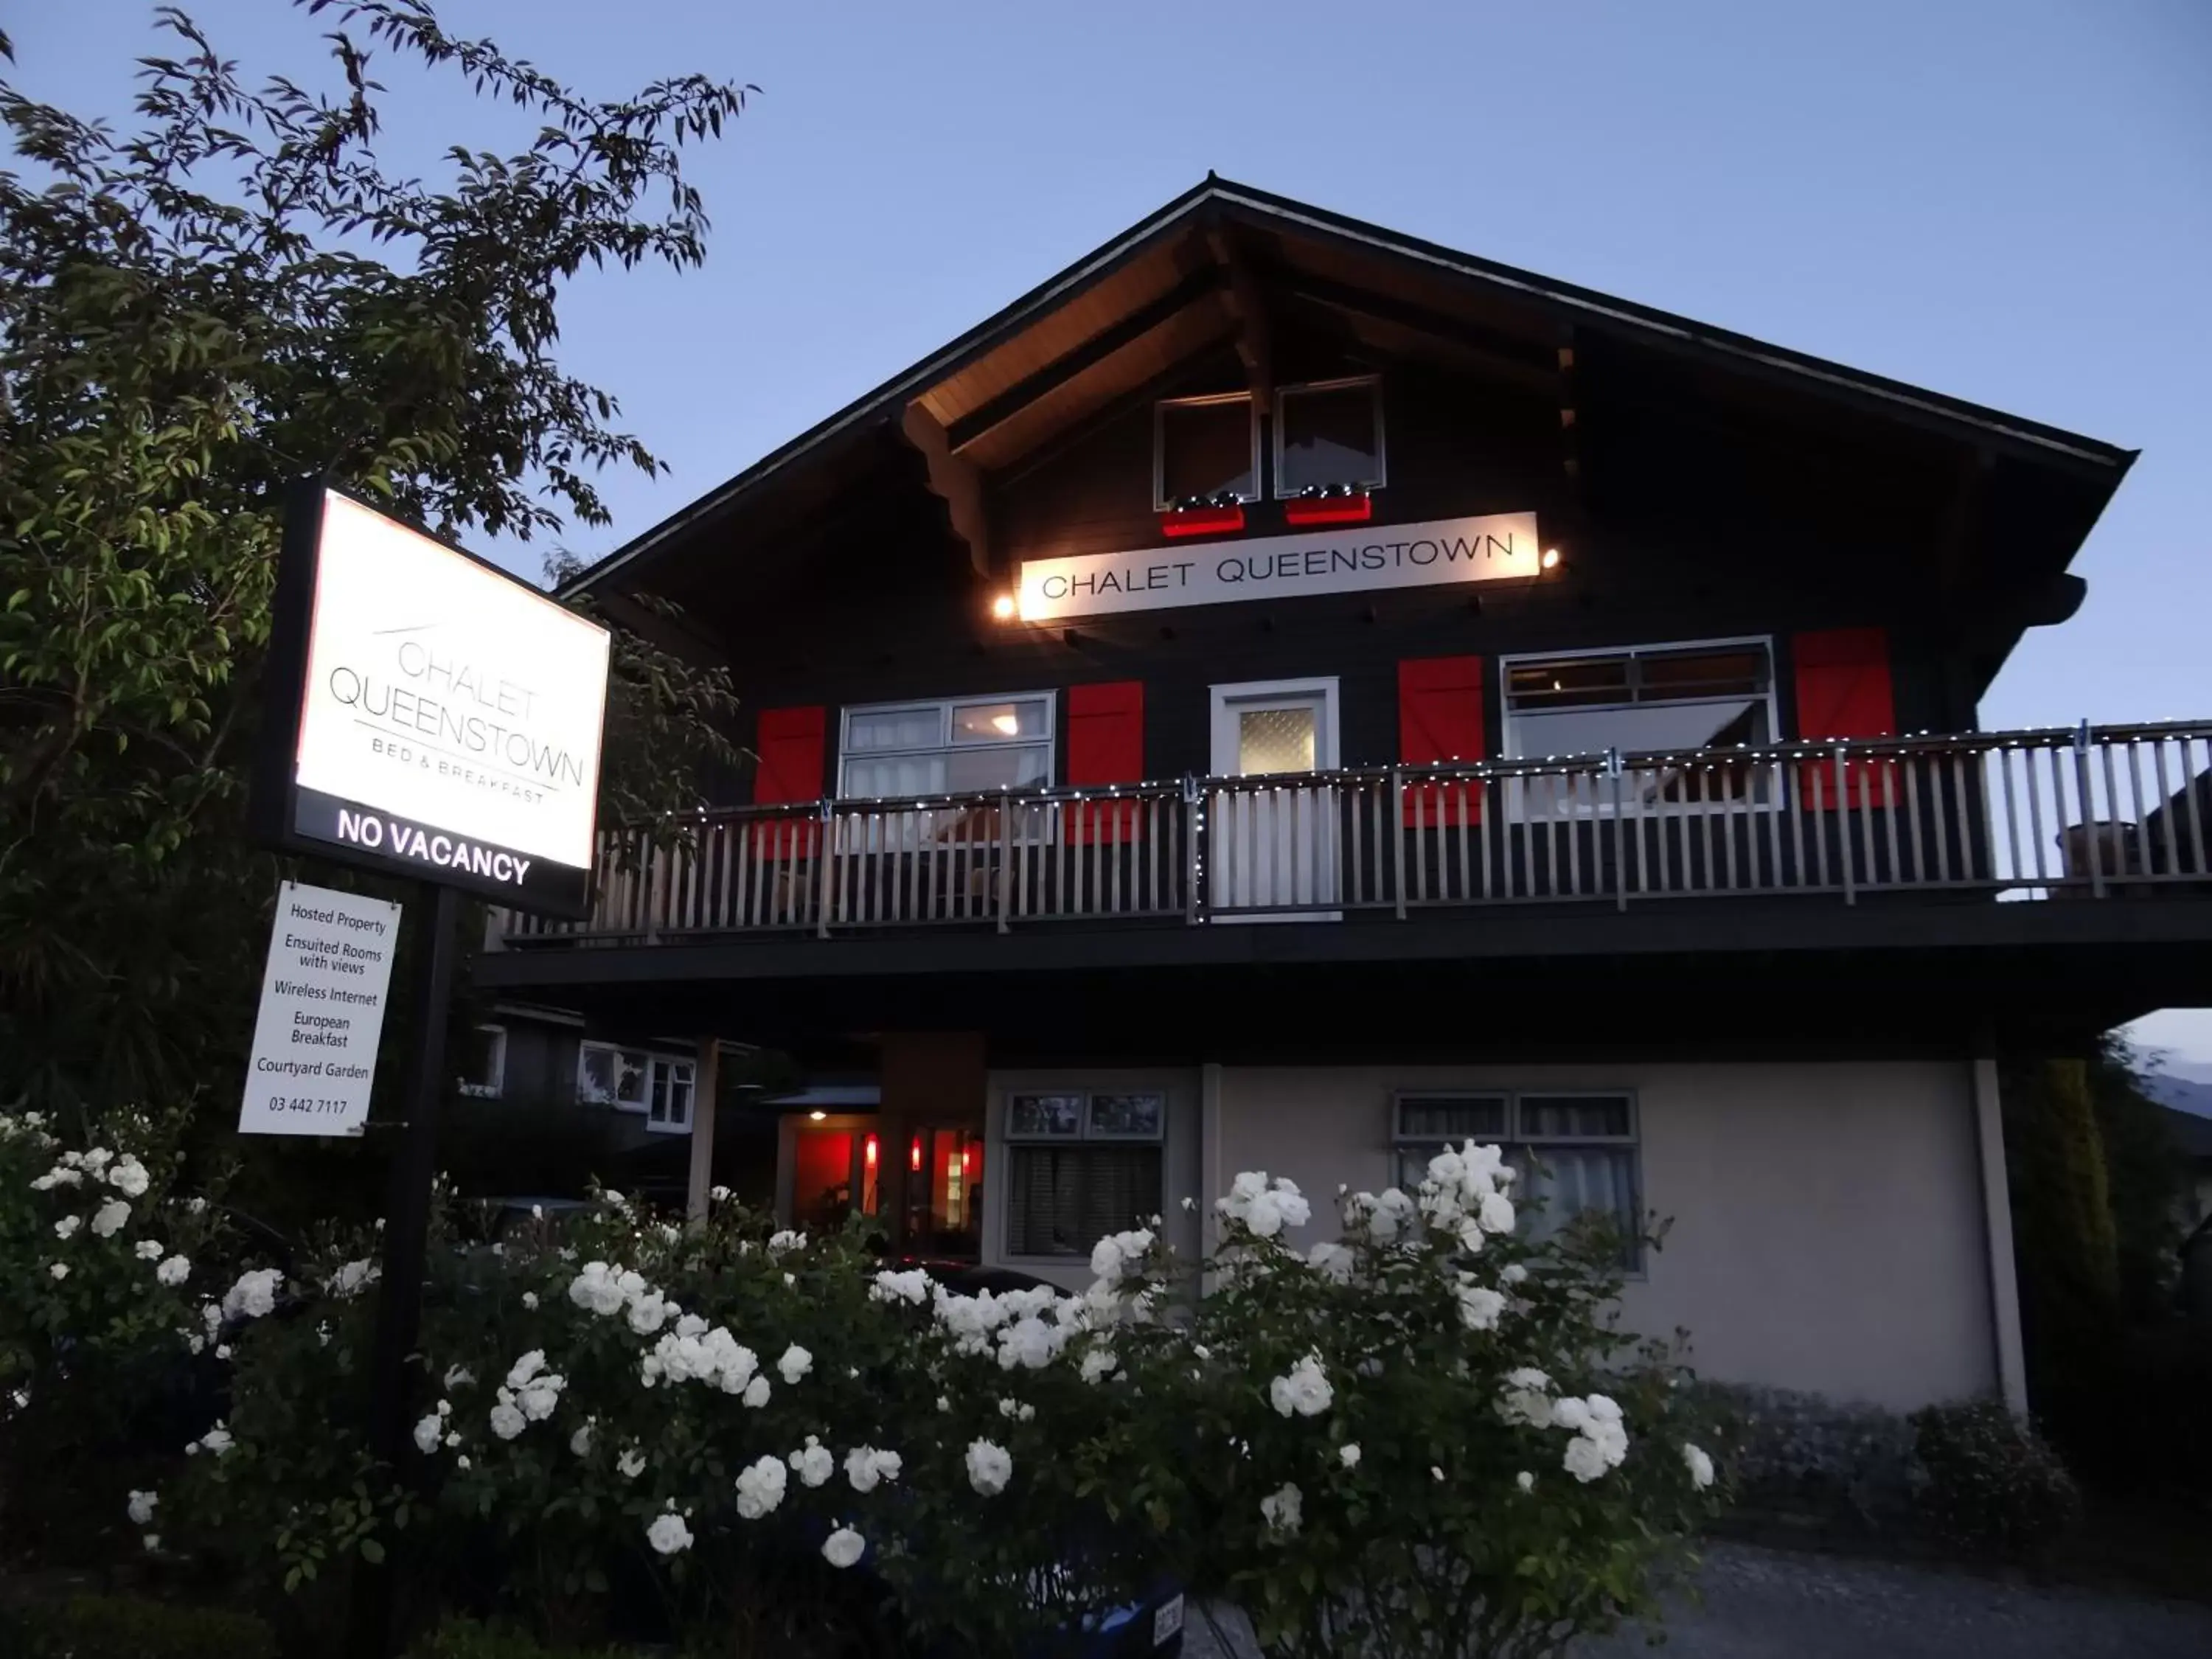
450 718
322 1014
1340 559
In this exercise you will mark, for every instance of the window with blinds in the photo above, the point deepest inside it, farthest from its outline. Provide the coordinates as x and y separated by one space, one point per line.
1080 1164
1573 1154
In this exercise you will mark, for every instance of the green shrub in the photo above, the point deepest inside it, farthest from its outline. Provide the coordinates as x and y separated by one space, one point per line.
466 1638
1991 1485
133 1627
1805 1455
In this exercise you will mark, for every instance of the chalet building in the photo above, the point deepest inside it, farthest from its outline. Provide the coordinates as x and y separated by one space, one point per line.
1283 695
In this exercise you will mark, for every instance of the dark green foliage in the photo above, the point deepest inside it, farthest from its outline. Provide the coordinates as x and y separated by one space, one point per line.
134 1628
193 313
1993 1486
465 1639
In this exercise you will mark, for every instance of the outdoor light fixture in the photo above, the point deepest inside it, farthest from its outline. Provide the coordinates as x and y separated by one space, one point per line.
1204 515
1003 607
1551 559
1336 503
817 1115
1008 725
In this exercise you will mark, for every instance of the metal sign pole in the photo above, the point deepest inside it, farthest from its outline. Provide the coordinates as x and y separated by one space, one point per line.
406 1245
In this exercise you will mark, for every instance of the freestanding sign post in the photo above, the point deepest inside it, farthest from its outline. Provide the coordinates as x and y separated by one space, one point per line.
431 716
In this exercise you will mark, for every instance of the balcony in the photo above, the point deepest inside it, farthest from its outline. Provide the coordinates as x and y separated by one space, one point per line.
2094 814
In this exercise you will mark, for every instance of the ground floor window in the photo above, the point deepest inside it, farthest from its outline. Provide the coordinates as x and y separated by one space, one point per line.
1080 1164
485 1071
659 1086
1573 1154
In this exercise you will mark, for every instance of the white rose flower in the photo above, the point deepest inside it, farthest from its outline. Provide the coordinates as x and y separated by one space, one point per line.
173 1272
216 1440
428 1433
1571 1413
530 1300
630 1464
580 1442
813 1462
989 1467
649 1313
1525 1480
912 1287
786 1240
147 1249
1331 1260
1513 1272
1701 1467
354 1277
843 1548
795 1364
757 1393
668 1535
1497 1213
1283 1510
507 1419
1348 1454
142 1507
128 1176
107 1220
67 1226
542 1393
152 1541
59 1269
864 1467
760 1487
458 1377
1303 1391
1479 1306
525 1368
1098 1363
253 1297
1583 1459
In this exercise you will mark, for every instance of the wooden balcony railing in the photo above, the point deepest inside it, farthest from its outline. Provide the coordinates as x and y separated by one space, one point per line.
2090 813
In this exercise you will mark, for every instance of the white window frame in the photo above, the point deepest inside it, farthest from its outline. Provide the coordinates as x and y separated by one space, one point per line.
651 1063
1374 383
667 1071
1517 801
492 1087
943 706
1160 501
1516 1140
1009 1141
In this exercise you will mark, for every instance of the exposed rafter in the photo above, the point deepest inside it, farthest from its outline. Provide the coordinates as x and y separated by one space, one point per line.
1531 363
1199 284
953 479
1255 336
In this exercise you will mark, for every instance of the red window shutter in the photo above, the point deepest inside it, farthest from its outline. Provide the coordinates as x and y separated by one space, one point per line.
789 745
1440 703
1843 691
1105 746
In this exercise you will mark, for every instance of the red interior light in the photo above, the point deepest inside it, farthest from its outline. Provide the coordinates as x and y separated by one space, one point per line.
868 1152
914 1154
1329 509
1202 520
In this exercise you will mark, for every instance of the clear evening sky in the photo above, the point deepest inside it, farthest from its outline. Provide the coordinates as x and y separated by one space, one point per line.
2007 200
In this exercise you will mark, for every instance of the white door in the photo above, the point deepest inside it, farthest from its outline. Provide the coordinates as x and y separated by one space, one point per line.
1271 847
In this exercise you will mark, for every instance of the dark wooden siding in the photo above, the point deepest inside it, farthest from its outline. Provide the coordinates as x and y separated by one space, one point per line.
1679 527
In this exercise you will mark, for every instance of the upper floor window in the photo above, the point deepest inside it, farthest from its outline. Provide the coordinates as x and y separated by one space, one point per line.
1714 695
1203 447
959 746
1329 433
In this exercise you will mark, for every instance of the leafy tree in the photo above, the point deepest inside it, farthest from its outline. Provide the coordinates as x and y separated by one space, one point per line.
233 294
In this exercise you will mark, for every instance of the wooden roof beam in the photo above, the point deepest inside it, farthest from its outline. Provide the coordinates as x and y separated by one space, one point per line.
1534 363
1256 336
953 479
997 412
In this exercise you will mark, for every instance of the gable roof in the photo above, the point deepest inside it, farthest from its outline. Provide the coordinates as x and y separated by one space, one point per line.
1133 281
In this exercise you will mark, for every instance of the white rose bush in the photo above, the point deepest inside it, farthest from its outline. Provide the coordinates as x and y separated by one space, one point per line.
1406 1428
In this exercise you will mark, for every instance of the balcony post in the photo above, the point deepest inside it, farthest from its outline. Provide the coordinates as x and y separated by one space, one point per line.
822 858
1613 770
1194 864
1006 851
2092 834
1844 830
1398 839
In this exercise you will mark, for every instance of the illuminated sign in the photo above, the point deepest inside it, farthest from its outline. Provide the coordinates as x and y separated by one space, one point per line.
1341 559
439 718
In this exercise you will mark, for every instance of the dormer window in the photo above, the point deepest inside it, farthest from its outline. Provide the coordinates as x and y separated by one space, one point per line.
1329 433
1205 449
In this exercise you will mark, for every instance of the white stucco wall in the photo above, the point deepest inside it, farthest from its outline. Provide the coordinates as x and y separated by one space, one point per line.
1827 1226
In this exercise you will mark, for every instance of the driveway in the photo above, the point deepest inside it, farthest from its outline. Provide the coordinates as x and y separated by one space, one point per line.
1770 1604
